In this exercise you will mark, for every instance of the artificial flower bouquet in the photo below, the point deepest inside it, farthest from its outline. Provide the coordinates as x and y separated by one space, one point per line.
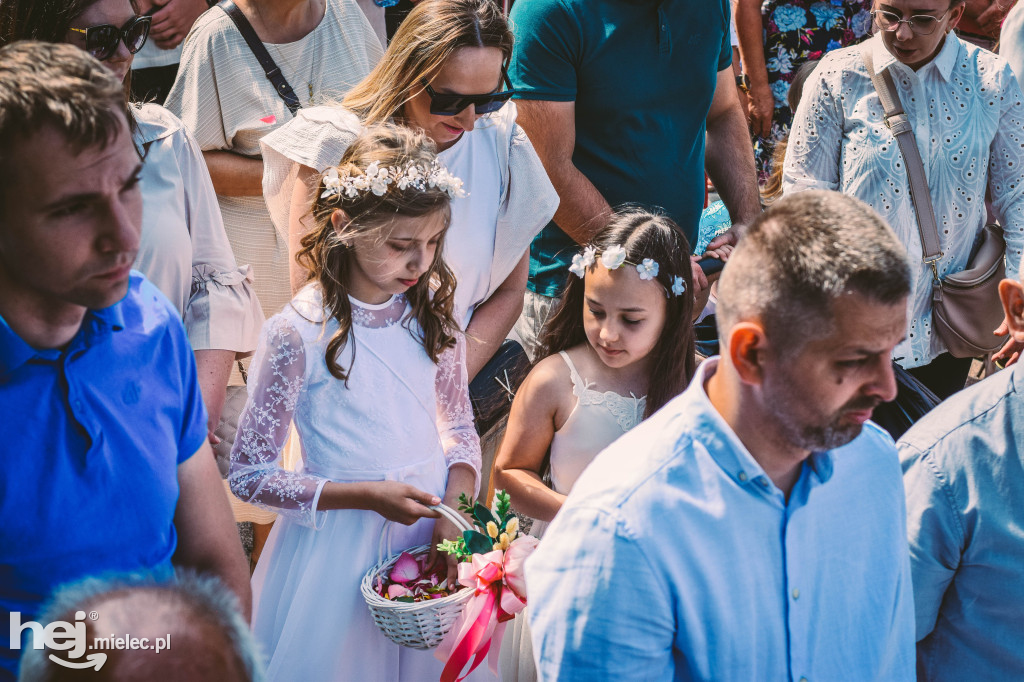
491 559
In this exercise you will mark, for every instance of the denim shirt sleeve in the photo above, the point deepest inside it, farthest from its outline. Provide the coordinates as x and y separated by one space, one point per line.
935 533
598 609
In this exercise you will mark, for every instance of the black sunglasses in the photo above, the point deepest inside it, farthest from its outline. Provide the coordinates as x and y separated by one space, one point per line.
449 105
101 41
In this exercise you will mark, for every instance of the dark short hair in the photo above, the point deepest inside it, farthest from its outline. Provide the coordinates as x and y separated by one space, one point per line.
800 256
61 86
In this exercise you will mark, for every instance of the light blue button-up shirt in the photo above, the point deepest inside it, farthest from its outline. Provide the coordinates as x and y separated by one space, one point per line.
676 558
964 475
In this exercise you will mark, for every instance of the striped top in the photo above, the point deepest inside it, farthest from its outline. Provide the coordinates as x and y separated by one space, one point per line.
227 103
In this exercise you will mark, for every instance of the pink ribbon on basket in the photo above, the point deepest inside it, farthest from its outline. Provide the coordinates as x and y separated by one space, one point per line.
483 618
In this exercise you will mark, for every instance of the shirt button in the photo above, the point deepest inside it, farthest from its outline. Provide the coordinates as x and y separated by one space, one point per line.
803 679
763 482
796 593
78 404
742 476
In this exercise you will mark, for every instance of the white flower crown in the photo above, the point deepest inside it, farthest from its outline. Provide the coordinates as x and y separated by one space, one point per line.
377 179
613 258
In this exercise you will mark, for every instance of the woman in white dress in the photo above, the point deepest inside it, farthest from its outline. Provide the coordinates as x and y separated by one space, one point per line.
967 113
183 250
443 73
322 47
368 363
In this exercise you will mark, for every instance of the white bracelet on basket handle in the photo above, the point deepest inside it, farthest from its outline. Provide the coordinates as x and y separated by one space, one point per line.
444 510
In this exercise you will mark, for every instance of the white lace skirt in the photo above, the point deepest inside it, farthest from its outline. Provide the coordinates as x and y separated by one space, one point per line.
308 614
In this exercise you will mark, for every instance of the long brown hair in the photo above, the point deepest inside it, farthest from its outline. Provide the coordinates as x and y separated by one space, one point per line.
643 234
327 255
431 33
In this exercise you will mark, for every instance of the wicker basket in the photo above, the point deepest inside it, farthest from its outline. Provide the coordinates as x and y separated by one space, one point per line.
419 625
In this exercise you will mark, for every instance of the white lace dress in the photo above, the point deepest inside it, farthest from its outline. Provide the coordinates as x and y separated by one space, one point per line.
401 418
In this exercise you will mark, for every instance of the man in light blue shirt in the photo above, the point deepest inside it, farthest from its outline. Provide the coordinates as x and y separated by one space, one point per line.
752 529
964 475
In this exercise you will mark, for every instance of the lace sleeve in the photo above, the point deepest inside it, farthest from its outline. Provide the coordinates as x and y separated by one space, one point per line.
275 384
454 411
816 136
1006 168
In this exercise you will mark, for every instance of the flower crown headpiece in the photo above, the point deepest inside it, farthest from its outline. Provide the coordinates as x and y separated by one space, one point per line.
377 179
614 257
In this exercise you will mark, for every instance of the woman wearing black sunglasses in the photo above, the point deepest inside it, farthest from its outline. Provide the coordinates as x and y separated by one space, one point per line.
442 71
184 250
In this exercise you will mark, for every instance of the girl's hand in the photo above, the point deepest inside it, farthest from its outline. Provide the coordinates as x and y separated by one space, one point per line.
400 502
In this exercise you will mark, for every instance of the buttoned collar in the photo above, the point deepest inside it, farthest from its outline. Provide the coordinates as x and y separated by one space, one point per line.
728 451
943 62
96 325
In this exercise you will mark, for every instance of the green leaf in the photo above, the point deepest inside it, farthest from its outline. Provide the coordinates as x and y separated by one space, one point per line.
482 515
477 542
407 600
465 504
503 502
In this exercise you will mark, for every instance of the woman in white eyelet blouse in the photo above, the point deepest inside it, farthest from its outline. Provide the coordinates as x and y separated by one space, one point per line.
966 110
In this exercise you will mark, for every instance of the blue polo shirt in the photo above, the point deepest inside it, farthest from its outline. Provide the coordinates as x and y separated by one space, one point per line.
642 74
91 438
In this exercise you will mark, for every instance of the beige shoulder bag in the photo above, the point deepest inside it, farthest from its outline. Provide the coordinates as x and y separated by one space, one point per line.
965 305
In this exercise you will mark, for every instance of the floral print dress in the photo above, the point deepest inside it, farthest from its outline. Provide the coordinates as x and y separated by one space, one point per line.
797 31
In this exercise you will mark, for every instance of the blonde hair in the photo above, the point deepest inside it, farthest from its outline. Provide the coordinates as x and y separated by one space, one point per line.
327 254
431 33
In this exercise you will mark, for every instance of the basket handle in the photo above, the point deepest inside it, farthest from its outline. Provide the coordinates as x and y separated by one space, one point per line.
384 546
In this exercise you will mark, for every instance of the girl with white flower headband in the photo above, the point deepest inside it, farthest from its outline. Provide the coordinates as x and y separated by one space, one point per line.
368 363
619 346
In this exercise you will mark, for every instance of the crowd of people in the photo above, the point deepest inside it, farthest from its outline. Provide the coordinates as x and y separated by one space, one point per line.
267 262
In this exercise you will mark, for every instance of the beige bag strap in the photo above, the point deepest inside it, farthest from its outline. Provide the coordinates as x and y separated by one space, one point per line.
898 122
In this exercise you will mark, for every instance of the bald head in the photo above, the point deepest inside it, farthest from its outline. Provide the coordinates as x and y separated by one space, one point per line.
181 630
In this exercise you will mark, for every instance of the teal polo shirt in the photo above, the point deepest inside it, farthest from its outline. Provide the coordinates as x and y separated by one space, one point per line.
642 74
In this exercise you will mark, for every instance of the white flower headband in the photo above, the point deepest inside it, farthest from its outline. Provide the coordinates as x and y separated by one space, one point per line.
376 179
613 258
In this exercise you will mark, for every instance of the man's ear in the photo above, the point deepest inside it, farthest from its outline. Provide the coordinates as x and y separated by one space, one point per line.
1011 292
746 347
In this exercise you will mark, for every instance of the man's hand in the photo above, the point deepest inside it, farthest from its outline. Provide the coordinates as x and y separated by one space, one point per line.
1010 352
992 18
722 245
760 110
173 21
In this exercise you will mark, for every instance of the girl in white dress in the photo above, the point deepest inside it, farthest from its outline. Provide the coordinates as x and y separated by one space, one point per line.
619 346
367 362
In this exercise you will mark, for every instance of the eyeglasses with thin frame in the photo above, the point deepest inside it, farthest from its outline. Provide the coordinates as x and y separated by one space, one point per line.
442 104
920 24
101 41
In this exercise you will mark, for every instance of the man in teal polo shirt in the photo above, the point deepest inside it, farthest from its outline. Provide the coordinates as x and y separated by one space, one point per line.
617 97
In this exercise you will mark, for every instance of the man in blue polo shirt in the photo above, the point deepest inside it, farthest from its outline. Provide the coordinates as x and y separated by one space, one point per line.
105 460
617 97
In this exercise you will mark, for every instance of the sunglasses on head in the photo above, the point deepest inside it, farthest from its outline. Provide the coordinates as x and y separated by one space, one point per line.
101 41
442 104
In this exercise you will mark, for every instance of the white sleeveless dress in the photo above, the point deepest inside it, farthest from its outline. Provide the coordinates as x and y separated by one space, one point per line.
598 419
401 418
